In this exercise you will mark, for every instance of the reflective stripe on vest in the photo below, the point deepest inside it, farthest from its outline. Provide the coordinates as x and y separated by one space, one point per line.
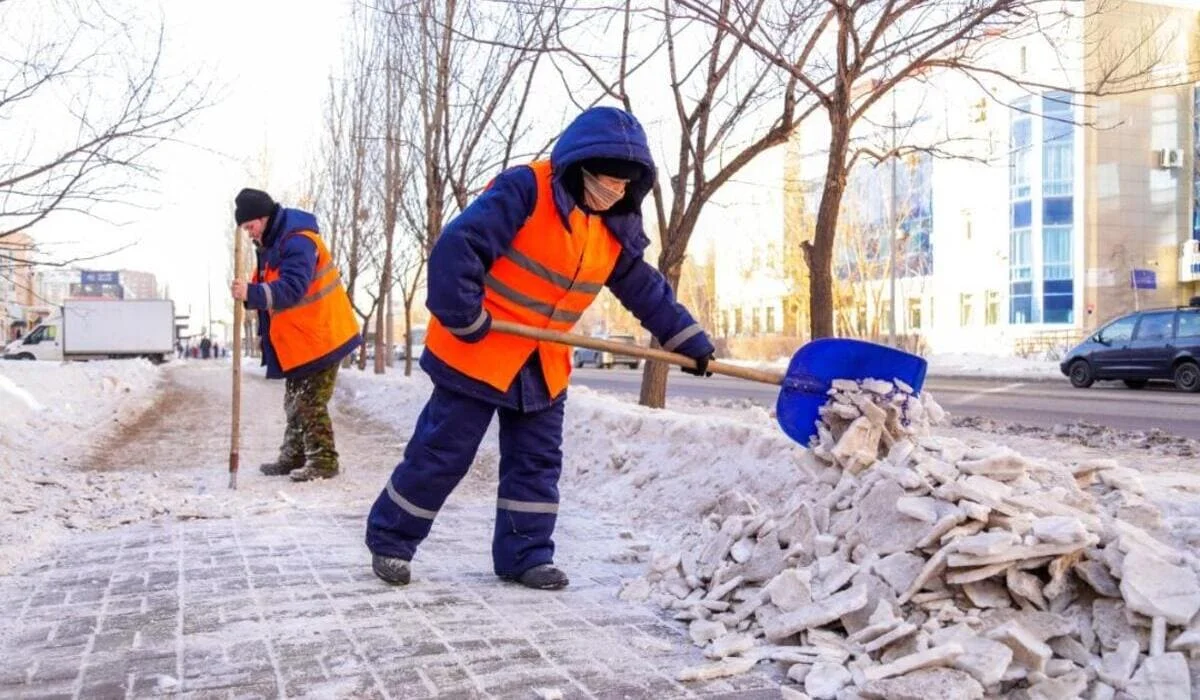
320 322
546 279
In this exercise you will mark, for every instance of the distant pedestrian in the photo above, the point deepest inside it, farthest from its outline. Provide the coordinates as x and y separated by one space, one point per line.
205 348
305 323
216 350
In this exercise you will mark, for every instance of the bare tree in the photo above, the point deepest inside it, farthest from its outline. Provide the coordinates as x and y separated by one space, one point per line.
393 181
853 53
470 68
347 200
409 272
455 88
729 105
84 108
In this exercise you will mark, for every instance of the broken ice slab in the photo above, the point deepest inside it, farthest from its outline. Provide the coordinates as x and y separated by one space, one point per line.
733 666
817 614
938 656
1019 552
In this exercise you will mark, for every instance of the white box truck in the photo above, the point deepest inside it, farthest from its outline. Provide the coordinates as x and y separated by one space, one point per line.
101 329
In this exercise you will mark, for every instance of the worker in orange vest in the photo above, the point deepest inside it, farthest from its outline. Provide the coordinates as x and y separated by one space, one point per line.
305 323
534 248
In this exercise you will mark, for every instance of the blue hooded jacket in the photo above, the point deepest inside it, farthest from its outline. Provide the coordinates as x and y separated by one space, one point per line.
296 259
484 231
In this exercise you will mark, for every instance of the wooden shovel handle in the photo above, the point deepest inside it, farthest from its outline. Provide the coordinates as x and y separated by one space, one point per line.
583 341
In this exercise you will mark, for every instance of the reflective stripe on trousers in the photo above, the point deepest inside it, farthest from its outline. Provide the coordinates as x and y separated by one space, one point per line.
440 453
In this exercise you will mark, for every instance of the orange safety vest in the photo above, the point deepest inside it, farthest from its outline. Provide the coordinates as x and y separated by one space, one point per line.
546 279
320 322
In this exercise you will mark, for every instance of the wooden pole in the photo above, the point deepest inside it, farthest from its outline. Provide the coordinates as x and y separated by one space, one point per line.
581 341
236 413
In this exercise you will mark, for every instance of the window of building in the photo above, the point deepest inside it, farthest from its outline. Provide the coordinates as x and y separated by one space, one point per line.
1058 140
1058 289
914 313
1196 163
737 321
1021 145
1020 276
770 319
965 311
755 321
991 314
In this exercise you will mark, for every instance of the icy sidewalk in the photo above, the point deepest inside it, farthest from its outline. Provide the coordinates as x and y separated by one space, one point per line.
286 605
267 590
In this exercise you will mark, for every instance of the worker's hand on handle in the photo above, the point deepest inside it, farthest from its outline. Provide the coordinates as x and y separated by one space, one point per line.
238 289
701 369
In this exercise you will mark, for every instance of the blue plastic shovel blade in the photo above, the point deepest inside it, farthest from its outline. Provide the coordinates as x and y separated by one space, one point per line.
814 367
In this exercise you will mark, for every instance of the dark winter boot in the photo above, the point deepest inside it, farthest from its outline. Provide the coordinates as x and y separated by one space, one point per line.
545 577
391 569
311 471
280 467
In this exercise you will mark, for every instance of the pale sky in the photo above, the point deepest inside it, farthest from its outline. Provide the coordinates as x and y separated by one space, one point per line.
270 62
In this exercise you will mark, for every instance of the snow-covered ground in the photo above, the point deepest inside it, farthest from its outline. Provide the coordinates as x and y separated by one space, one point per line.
963 364
53 416
96 446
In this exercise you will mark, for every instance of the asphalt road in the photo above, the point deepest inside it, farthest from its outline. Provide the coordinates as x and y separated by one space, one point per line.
1043 404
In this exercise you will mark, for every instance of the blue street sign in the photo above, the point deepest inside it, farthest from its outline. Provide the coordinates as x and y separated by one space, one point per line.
99 276
1143 279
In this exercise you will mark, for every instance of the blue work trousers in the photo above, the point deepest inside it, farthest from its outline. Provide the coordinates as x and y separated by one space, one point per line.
438 456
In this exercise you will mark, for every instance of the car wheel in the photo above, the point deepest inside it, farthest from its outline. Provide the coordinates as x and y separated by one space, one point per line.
1080 373
25 356
1187 376
634 365
578 364
1135 383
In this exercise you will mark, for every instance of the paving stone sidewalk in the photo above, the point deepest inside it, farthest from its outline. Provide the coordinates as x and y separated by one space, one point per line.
285 605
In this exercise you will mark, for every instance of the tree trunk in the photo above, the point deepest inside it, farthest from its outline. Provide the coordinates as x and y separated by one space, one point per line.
820 254
362 351
380 332
654 376
390 345
408 344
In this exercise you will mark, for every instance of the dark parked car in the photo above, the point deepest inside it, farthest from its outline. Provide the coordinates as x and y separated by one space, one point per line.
607 360
1156 344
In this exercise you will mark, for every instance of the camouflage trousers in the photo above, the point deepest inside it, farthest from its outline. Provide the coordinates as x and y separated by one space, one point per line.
308 440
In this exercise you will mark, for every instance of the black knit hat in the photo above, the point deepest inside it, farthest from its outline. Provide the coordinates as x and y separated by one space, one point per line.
613 167
252 204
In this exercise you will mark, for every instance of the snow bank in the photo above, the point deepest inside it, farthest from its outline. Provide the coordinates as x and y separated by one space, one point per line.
69 405
959 364
962 364
652 467
51 415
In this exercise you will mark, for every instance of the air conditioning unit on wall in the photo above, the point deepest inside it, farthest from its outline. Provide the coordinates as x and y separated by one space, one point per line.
1189 262
1170 158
